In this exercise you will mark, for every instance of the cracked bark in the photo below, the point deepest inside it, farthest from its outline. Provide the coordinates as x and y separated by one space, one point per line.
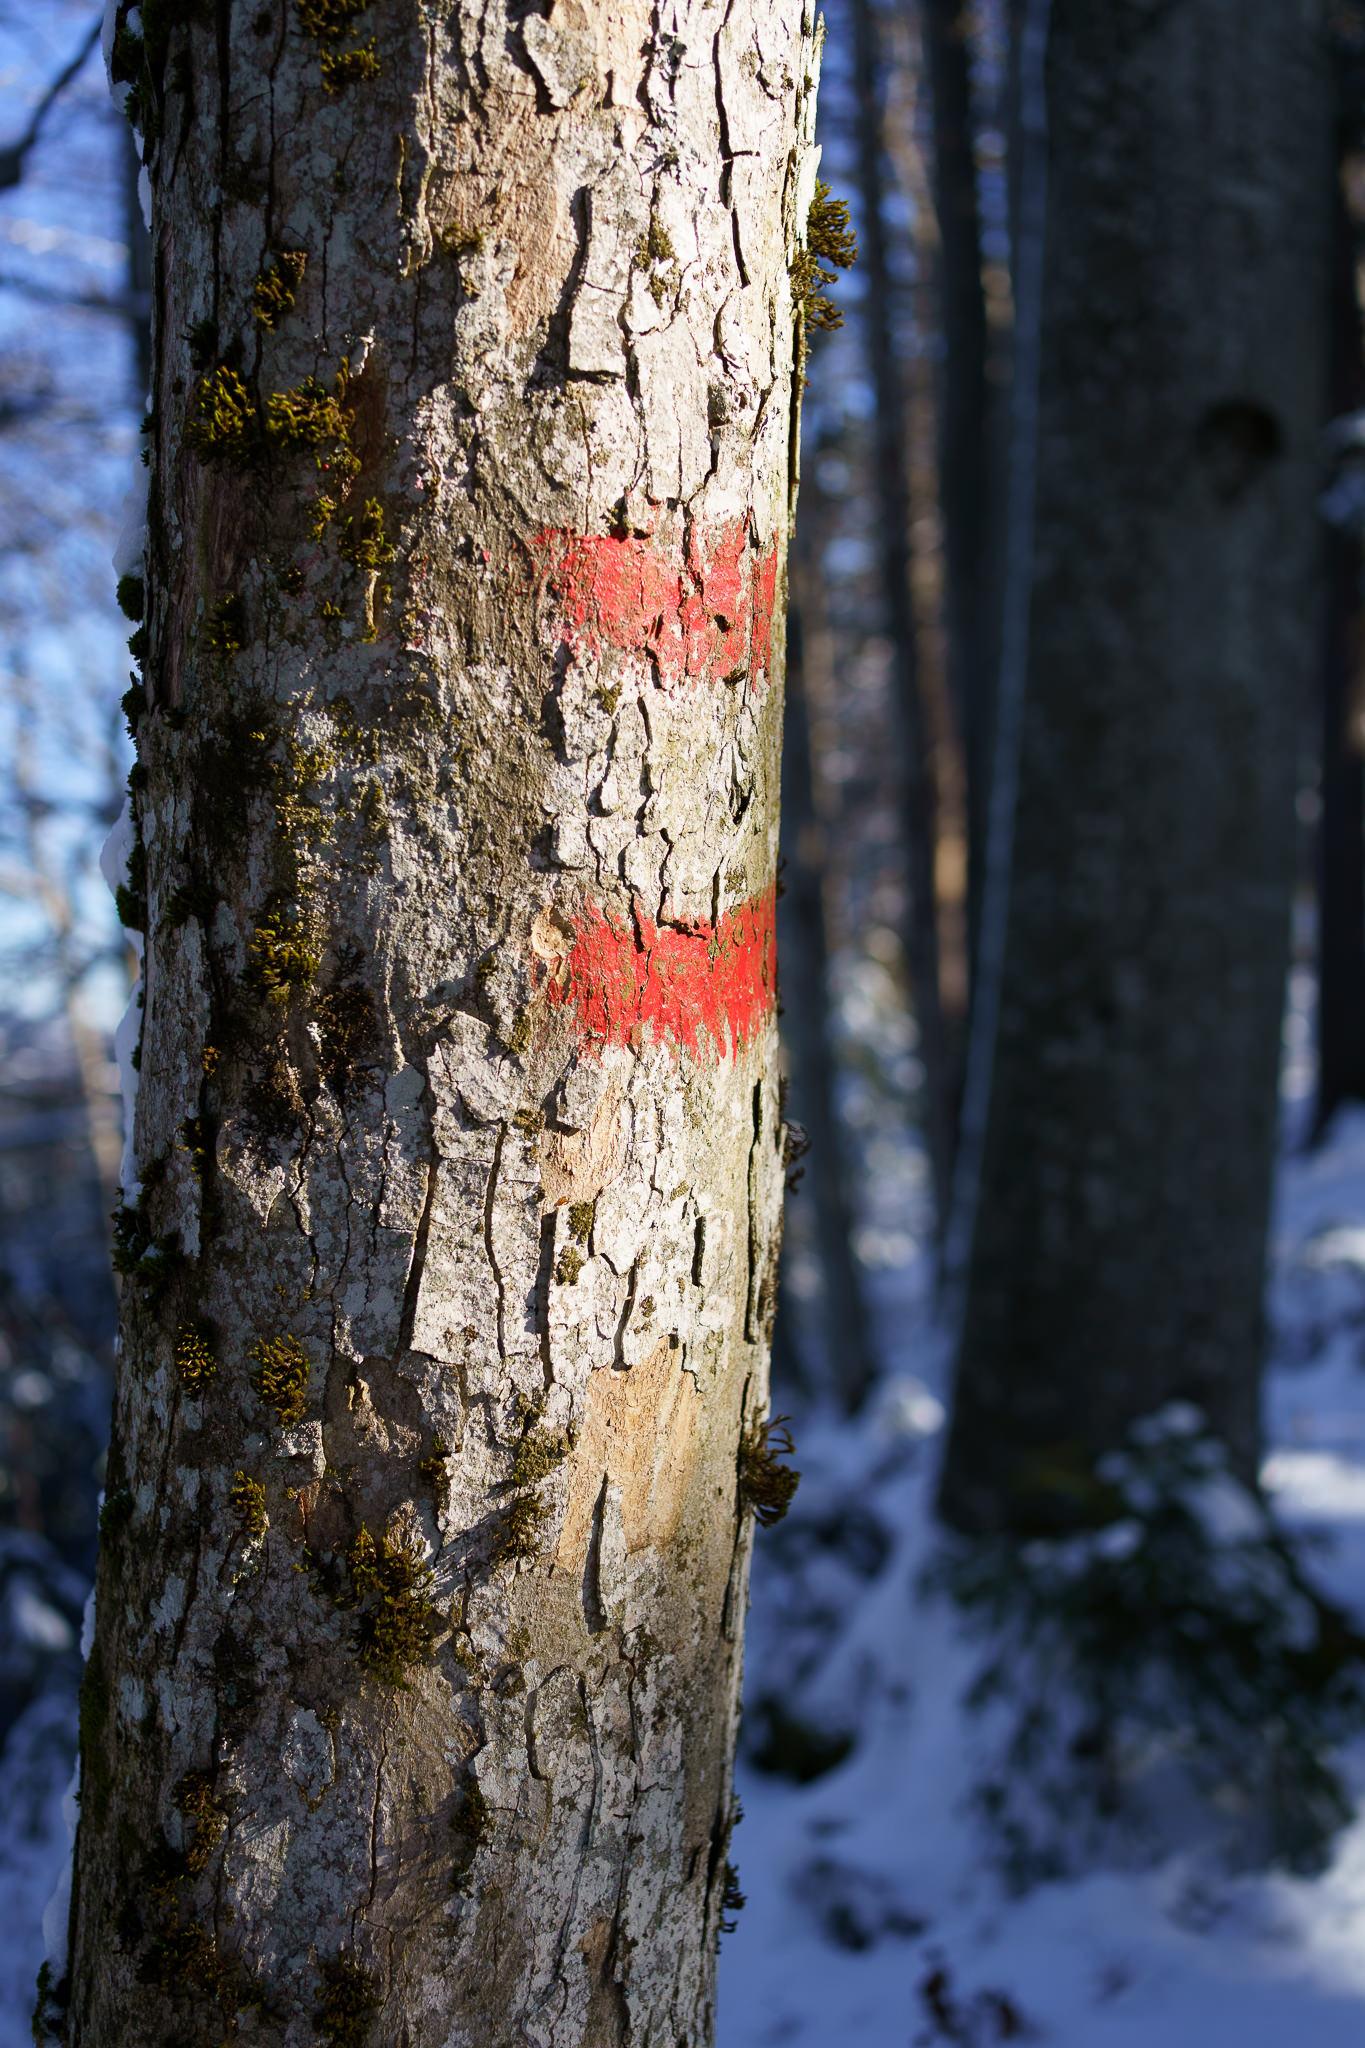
458 793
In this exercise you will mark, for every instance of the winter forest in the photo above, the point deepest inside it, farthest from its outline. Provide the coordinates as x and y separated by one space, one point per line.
682 1023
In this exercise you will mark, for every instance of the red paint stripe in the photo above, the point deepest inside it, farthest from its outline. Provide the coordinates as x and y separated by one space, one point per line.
703 611
706 989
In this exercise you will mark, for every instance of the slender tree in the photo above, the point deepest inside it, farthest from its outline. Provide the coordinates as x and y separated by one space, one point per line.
891 486
963 415
1341 836
449 1262
805 990
1121 1098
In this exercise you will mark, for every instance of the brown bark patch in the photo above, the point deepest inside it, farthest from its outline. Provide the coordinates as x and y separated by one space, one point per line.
575 1166
638 1433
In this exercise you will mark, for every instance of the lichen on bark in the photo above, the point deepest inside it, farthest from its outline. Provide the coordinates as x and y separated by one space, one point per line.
462 602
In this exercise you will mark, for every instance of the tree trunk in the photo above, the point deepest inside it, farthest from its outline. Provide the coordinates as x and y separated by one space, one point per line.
893 517
806 1027
963 439
411 1702
1130 1075
1341 834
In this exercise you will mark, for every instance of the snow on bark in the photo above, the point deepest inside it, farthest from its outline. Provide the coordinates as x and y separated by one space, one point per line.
411 1705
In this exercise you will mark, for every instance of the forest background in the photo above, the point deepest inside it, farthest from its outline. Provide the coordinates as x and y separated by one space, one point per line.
916 1867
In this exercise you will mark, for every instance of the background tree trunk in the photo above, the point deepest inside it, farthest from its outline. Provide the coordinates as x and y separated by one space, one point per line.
412 1695
937 1051
1341 834
1119 1229
963 418
806 1032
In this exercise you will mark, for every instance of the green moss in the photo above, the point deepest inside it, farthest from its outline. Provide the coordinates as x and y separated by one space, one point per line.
321 513
346 1026
341 68
246 1498
390 1589
197 1138
471 1828
460 242
185 1958
197 899
830 248
281 1377
568 1266
653 251
138 59
140 1255
292 578
327 21
374 818
433 1471
348 1999
131 594
194 1359
277 287
133 705
580 1219
222 424
732 1900
130 897
49 2007
520 1535
364 541
195 1800
282 956
310 419
537 1455
766 1486
225 628
298 803
655 247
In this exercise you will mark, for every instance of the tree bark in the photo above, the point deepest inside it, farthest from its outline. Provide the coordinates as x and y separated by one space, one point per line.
450 1260
1120 1209
893 506
806 1029
1341 833
964 401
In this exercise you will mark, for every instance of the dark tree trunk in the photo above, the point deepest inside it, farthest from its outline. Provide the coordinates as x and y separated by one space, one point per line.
893 505
805 1028
963 416
1117 1221
1341 840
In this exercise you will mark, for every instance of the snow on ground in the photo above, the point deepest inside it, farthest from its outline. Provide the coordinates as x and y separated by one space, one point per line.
874 1916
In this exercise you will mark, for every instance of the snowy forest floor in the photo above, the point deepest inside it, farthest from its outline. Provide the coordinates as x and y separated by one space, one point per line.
876 1914
876 1911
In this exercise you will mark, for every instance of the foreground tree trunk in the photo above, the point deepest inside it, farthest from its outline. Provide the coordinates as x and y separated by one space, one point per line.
450 1266
1121 1198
